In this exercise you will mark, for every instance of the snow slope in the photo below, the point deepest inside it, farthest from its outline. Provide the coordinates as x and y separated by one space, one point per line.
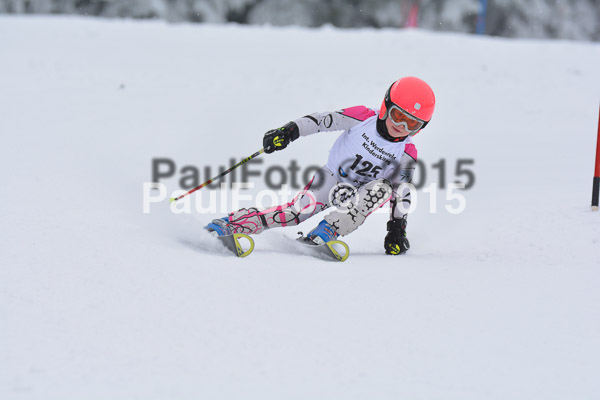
99 300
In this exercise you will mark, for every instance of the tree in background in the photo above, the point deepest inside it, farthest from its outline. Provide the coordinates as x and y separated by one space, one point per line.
579 20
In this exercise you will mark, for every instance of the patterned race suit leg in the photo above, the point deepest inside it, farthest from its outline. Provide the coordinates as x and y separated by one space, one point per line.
368 198
313 199
353 205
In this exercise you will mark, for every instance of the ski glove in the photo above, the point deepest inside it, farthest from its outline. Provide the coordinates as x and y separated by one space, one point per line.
278 139
396 241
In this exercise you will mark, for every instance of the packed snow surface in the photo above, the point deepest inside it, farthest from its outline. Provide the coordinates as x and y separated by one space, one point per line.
99 300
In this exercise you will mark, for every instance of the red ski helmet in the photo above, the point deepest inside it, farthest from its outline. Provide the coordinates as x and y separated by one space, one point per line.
413 96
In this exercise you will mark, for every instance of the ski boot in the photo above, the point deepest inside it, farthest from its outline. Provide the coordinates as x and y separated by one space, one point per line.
323 233
222 229
323 239
219 227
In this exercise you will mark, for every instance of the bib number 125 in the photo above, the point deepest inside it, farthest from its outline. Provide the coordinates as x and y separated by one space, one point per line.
365 168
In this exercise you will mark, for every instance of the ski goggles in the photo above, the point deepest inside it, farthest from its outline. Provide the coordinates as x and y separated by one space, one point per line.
400 117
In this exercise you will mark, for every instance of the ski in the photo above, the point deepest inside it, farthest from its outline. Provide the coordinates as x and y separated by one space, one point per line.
232 243
334 249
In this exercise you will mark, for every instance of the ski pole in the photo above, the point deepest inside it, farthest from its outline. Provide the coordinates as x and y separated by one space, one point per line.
222 174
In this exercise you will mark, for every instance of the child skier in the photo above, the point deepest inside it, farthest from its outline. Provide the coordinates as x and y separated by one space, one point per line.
367 164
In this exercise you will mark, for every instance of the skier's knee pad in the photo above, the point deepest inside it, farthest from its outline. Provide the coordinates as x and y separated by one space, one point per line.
373 195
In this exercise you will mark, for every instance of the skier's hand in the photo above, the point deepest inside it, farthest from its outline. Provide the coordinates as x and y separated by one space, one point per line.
278 139
395 241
